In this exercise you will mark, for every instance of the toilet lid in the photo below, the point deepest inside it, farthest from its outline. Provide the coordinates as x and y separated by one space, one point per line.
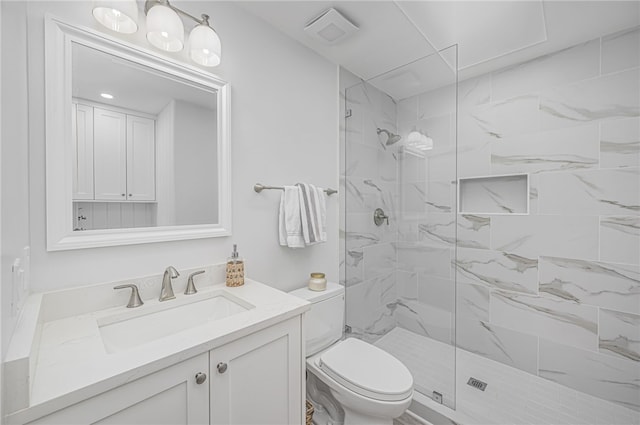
367 370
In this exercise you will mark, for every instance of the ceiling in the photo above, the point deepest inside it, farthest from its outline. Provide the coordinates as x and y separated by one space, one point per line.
490 34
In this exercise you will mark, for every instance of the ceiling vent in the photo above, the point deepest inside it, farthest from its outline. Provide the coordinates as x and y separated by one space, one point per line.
330 27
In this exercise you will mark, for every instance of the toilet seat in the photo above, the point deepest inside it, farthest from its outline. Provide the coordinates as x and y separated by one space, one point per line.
367 370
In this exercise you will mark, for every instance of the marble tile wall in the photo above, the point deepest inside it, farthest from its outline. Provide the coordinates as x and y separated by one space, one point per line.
368 181
555 292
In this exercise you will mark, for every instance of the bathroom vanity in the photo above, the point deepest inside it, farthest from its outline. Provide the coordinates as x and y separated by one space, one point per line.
221 356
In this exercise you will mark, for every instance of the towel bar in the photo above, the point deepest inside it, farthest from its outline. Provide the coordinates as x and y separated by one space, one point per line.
258 187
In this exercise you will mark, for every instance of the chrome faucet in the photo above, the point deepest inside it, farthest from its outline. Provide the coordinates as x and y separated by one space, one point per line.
166 293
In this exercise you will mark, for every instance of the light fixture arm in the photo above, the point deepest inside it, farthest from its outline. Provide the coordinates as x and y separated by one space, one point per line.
148 4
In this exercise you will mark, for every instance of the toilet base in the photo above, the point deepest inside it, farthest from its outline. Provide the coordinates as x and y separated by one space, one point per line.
358 418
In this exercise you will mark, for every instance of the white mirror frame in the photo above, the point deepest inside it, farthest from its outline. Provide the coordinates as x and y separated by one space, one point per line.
58 83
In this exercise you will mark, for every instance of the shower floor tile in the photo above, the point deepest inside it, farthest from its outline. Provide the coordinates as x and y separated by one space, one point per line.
512 396
431 362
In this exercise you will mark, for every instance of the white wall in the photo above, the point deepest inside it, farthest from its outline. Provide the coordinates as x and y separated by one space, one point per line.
284 111
14 154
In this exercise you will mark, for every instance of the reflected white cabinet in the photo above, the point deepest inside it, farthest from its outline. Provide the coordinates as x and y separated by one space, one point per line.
141 154
124 152
82 126
258 379
171 396
110 153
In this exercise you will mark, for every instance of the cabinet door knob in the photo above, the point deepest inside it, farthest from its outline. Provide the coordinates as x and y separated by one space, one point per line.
130 194
222 367
122 194
201 377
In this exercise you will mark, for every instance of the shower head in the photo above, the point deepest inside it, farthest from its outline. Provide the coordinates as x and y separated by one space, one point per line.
391 138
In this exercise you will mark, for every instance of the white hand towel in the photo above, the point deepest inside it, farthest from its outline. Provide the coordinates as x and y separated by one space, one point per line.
312 214
289 224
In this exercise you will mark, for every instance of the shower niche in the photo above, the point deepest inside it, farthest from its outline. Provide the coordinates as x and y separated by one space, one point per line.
505 194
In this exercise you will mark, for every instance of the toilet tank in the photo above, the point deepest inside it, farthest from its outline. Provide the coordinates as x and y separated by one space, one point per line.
324 322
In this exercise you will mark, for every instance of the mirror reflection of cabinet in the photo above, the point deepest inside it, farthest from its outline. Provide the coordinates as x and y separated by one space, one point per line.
114 156
82 123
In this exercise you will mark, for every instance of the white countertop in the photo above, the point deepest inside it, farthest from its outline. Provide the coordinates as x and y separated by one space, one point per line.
72 363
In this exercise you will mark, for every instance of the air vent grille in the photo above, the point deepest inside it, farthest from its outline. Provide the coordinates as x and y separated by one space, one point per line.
477 384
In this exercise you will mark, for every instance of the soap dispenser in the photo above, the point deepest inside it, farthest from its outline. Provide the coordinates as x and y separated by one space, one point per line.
235 269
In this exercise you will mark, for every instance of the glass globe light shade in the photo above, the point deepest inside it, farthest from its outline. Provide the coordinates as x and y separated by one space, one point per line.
117 15
165 29
204 46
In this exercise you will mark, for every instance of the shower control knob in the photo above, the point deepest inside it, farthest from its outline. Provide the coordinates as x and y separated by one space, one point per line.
222 367
200 378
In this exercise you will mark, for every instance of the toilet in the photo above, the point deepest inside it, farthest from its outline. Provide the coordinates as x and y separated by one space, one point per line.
352 376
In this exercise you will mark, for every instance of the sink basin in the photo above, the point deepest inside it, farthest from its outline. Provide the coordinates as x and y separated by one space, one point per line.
124 331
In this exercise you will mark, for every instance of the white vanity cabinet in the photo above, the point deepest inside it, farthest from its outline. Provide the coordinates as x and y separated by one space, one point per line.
256 379
124 156
170 396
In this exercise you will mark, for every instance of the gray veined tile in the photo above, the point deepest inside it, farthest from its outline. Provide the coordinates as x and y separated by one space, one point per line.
421 258
620 334
473 160
474 231
553 235
472 302
438 229
361 161
620 239
437 102
601 375
352 268
614 286
572 64
503 345
408 109
555 150
595 192
509 117
423 319
437 291
621 50
610 96
620 143
363 195
367 306
558 320
497 270
378 260
474 91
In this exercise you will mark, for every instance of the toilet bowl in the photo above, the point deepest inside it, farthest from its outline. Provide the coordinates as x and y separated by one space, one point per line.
370 385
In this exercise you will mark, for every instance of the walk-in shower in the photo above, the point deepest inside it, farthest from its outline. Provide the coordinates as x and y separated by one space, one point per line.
508 276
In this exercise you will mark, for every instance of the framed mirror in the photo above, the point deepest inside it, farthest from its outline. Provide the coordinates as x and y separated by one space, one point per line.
137 145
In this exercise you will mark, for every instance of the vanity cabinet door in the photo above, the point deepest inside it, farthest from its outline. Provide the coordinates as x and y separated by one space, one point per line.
258 379
171 396
82 131
141 164
110 151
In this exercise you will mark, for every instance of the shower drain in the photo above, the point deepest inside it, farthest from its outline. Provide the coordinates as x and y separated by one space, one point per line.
477 384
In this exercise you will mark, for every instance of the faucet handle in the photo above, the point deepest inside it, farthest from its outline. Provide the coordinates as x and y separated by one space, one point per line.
134 299
191 288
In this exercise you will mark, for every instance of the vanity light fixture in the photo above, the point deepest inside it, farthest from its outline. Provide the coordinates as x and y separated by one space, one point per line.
165 29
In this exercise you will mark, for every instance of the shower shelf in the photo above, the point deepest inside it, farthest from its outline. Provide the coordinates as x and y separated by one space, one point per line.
502 194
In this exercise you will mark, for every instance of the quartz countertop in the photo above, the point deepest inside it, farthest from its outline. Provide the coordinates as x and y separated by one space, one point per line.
72 363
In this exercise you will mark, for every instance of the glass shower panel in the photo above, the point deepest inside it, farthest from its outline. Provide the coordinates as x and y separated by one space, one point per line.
399 158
